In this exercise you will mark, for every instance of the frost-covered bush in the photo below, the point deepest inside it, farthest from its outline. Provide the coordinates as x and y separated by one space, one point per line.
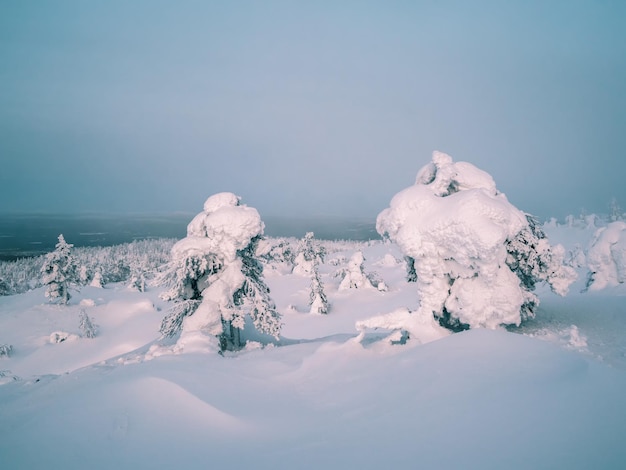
216 279
476 257
59 270
607 257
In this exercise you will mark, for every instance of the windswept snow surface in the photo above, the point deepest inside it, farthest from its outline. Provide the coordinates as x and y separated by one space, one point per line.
325 395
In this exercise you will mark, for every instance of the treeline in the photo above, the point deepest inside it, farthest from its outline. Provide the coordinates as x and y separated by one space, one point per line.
141 259
119 263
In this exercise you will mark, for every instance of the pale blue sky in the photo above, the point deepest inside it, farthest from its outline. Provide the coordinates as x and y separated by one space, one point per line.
309 108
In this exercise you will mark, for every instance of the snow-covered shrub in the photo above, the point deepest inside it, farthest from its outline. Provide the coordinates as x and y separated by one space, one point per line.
59 270
476 257
606 258
353 276
86 326
61 337
309 253
216 279
376 281
6 350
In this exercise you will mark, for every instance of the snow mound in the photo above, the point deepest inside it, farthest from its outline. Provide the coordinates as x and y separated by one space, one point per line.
416 326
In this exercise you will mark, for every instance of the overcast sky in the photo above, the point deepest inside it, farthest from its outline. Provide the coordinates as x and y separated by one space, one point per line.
308 108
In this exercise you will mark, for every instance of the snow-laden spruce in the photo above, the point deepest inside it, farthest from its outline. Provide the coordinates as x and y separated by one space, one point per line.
476 257
59 270
216 279
607 256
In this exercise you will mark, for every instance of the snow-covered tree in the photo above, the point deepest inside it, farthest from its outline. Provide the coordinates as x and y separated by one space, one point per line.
607 257
309 253
317 298
354 277
97 280
137 280
84 276
59 270
216 279
477 258
86 326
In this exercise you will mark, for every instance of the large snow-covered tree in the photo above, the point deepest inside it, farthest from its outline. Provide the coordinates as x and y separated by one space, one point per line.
59 270
216 279
475 256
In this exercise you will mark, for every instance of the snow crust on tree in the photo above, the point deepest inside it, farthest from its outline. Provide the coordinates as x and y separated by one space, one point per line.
223 227
476 257
606 258
217 280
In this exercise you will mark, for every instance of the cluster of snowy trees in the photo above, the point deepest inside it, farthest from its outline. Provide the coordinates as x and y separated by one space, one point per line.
474 258
134 263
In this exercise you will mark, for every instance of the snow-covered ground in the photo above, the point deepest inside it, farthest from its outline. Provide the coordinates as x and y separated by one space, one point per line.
548 394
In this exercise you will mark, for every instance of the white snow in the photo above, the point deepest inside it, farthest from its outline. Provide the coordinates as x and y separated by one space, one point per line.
371 384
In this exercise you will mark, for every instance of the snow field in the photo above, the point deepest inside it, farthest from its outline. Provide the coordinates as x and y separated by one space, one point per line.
320 396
